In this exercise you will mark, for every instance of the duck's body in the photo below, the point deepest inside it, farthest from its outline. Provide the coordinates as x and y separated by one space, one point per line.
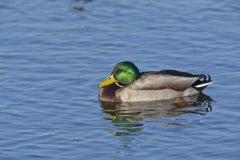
152 86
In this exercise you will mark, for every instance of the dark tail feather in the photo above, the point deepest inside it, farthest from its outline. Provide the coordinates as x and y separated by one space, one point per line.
202 82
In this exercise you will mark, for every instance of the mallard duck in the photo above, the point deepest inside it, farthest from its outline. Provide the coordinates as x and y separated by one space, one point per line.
127 84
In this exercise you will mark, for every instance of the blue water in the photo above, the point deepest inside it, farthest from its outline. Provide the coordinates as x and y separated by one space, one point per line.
54 53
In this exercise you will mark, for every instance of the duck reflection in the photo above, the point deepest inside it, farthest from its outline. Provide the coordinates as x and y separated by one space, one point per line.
129 117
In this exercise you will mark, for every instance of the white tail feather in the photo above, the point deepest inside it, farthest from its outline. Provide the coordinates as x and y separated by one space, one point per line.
203 84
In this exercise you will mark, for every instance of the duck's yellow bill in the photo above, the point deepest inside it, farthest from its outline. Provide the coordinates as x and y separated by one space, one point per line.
108 81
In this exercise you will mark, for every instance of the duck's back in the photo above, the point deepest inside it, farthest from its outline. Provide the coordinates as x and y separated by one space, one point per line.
165 79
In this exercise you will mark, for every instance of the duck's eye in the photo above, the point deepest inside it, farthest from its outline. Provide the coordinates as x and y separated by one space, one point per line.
119 70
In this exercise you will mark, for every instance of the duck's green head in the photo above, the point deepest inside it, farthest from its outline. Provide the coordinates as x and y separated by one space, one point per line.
123 73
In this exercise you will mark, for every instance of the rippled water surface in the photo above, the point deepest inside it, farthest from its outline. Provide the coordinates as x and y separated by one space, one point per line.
54 53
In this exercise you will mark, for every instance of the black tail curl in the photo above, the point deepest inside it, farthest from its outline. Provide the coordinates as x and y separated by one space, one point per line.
203 81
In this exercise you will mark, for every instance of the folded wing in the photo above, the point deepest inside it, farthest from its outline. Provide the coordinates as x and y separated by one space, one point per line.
170 79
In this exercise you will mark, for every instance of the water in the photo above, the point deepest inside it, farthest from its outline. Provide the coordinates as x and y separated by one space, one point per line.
54 53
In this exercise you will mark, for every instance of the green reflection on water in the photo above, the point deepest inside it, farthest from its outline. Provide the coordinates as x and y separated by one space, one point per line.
128 118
